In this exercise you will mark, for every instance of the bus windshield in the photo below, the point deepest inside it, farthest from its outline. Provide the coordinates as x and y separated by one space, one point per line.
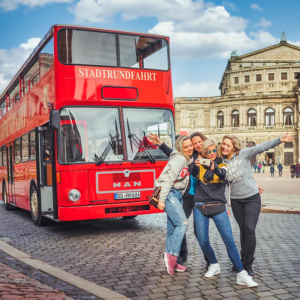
135 51
85 134
141 122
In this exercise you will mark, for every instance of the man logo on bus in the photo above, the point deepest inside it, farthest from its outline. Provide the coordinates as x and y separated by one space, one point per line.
126 173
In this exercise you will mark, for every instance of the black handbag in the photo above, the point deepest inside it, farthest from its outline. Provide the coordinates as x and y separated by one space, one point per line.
211 209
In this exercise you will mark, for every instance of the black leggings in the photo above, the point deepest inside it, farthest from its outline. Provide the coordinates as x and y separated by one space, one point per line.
246 213
188 206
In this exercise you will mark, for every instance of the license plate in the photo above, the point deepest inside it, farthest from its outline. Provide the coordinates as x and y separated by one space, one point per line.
130 195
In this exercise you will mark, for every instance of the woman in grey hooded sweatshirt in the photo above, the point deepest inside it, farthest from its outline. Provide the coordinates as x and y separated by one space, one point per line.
244 193
173 181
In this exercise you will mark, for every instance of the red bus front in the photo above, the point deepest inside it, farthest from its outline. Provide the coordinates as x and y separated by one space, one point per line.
111 90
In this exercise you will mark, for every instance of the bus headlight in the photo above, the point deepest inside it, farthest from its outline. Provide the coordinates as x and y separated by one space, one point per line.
74 195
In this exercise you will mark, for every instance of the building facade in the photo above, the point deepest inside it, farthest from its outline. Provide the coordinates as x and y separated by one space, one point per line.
260 100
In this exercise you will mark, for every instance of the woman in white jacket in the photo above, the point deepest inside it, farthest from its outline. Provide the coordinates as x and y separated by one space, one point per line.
173 181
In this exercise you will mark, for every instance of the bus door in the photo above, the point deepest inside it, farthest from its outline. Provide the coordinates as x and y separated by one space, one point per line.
11 195
45 165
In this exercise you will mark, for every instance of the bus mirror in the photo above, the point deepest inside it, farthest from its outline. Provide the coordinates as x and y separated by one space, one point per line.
54 119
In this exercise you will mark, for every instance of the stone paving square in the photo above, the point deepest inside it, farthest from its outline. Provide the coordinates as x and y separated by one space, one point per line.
126 256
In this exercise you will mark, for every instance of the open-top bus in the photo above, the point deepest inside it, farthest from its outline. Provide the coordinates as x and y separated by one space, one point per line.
74 123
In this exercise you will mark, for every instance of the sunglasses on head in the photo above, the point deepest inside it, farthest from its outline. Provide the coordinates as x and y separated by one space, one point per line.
210 151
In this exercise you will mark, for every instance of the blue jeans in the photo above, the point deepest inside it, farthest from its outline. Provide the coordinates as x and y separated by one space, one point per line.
222 222
177 223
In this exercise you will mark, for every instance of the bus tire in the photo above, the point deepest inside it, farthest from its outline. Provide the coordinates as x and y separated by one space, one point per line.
7 206
129 217
35 211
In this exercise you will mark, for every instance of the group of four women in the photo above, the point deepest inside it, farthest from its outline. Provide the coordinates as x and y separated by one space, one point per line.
190 183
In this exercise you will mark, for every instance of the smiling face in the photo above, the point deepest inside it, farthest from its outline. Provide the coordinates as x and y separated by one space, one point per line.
187 147
227 148
197 143
211 152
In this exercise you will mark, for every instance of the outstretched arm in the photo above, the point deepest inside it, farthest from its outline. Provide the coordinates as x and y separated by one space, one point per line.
153 138
267 145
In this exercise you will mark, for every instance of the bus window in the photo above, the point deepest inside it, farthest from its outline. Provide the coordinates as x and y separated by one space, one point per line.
32 149
143 52
101 50
86 133
47 157
4 155
25 148
141 122
17 148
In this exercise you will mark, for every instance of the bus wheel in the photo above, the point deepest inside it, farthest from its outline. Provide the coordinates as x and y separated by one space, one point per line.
36 214
129 217
7 206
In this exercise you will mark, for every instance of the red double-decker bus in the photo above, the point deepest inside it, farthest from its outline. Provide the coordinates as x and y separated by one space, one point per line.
74 125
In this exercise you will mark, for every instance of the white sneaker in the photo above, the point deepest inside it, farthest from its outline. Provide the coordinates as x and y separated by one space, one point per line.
244 279
213 269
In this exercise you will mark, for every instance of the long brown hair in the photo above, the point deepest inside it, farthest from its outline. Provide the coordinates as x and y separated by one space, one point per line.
235 142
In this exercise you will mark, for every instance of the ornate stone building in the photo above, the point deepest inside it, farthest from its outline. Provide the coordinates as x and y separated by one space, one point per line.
259 101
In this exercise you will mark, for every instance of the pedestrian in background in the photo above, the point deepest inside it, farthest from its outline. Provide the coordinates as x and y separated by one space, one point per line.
272 170
255 167
173 181
297 168
280 167
259 167
263 168
244 193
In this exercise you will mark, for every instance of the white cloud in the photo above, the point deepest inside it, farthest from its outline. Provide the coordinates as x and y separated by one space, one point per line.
188 14
12 59
230 5
203 89
197 29
263 23
256 7
8 5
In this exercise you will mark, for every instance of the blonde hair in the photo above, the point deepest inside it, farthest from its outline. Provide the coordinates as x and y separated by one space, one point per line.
207 143
179 145
235 142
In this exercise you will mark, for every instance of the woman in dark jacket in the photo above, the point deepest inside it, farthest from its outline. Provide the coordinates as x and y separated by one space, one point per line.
210 191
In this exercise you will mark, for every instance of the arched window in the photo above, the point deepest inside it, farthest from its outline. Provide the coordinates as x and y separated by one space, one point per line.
220 118
288 116
251 117
235 118
270 117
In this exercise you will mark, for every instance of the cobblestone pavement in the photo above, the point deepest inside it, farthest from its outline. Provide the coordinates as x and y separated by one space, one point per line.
126 256
279 191
20 281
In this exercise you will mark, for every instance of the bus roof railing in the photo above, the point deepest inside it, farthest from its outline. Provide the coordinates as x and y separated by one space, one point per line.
107 29
32 55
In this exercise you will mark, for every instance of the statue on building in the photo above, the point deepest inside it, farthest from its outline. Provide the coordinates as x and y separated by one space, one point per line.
192 121
233 53
283 38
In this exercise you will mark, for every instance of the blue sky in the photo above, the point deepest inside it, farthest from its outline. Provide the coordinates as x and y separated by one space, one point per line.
202 33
